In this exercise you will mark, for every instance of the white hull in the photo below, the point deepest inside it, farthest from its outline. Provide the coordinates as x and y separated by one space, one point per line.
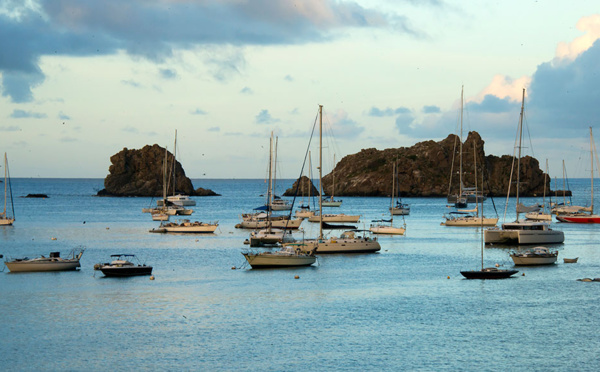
32 266
281 207
335 218
331 203
263 224
538 216
304 214
181 200
470 221
400 211
501 236
531 261
187 227
160 217
389 230
268 259
347 243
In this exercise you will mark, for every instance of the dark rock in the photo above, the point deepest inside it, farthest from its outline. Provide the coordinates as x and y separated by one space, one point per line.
205 192
305 183
140 173
425 169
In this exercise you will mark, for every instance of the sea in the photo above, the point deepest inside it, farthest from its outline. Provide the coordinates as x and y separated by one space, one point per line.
404 308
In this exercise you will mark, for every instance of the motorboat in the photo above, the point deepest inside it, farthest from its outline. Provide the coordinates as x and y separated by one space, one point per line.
330 202
570 260
288 256
534 256
186 226
122 265
54 262
180 200
400 209
280 205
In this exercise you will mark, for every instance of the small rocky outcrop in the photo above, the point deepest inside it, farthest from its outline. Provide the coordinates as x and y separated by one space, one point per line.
425 170
141 173
306 185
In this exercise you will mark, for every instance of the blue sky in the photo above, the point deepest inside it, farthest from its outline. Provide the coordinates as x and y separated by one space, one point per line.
81 80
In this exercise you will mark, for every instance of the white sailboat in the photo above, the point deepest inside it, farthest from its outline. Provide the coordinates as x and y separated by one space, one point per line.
304 210
534 256
331 202
7 219
522 232
465 217
288 256
382 226
348 242
459 200
51 263
541 215
177 199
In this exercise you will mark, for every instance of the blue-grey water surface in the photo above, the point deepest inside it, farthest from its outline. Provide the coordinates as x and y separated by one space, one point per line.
394 310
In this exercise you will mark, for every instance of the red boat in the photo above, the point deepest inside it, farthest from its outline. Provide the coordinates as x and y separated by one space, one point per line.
579 218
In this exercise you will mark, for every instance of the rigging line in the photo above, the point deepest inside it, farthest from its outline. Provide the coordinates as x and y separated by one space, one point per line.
528 133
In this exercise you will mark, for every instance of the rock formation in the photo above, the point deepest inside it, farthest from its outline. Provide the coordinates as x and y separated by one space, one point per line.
140 173
305 183
425 169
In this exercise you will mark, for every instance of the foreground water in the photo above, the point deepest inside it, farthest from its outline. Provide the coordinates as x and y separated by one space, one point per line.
394 310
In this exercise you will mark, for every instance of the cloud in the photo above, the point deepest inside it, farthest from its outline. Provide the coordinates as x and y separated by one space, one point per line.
431 110
341 126
493 104
153 29
131 83
570 51
167 73
198 112
246 90
264 117
62 116
214 129
20 114
68 139
288 78
377 112
10 128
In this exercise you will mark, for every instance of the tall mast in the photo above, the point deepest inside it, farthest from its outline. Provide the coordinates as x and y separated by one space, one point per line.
175 164
564 185
5 183
476 195
274 166
461 143
333 177
544 199
592 171
320 172
519 157
270 184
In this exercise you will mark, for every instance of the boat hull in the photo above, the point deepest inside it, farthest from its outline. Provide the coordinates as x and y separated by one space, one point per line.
193 229
331 203
475 221
579 219
400 211
343 246
126 271
6 221
263 224
274 260
389 230
533 261
538 216
500 236
335 218
488 274
25 266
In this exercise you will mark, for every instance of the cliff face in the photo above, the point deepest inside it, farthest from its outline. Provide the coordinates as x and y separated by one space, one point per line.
140 173
425 170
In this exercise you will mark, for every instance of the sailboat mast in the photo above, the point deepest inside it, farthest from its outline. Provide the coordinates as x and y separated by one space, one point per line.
476 195
564 185
519 157
320 172
5 183
175 164
275 166
592 171
461 142
270 184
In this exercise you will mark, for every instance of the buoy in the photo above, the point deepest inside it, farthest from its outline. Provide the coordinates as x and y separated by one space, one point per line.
297 277
523 274
448 277
232 267
497 265
53 238
107 228
196 240
152 277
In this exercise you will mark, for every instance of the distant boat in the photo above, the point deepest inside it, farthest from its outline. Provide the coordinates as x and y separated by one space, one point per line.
330 201
176 199
185 226
399 208
288 256
581 217
5 218
51 263
387 226
122 266
541 215
534 256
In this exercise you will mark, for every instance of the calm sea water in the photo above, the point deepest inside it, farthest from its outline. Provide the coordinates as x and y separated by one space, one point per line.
394 310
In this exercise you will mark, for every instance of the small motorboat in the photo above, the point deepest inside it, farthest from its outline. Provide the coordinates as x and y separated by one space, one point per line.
570 260
122 265
51 263
534 256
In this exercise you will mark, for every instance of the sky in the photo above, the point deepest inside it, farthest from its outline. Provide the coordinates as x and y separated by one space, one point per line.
82 79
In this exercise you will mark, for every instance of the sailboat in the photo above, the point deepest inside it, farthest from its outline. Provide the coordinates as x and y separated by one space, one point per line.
289 256
331 202
522 232
304 210
5 218
398 208
270 235
582 217
541 215
382 227
459 200
487 272
276 203
464 217
177 199
348 242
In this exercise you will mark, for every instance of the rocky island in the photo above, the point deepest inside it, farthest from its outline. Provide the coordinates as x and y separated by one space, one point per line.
140 173
425 170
